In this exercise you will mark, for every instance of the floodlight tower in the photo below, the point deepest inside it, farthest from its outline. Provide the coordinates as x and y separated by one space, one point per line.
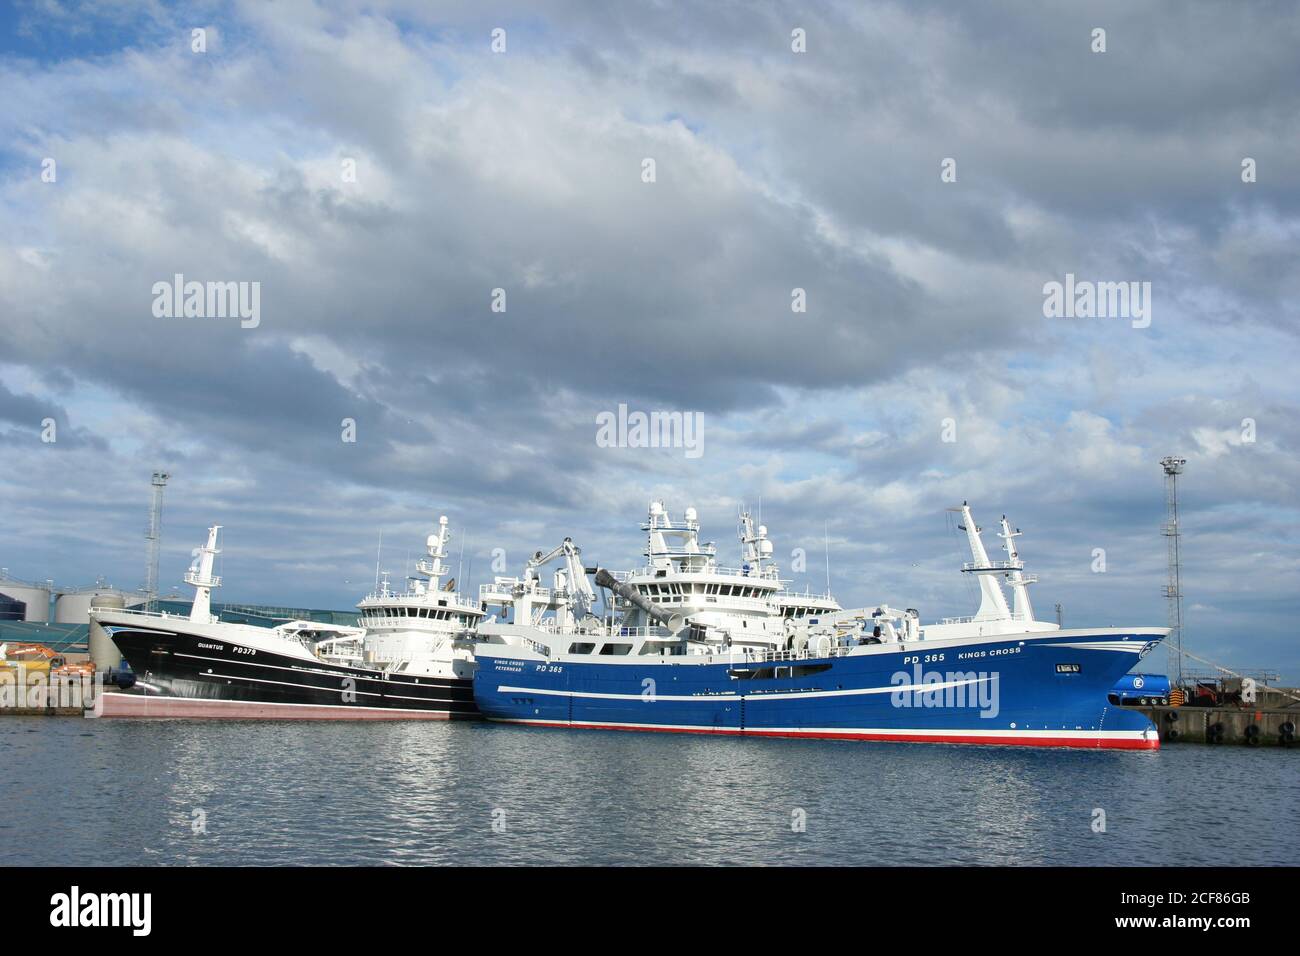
1174 589
154 535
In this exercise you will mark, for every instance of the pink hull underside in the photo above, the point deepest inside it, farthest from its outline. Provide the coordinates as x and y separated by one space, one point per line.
136 705
1010 740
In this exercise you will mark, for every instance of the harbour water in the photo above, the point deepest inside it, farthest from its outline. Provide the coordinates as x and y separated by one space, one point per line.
99 792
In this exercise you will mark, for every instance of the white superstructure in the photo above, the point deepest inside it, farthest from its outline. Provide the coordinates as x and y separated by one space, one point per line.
426 629
683 602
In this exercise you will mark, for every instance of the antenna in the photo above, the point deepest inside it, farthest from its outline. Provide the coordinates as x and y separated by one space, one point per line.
378 557
1174 589
154 536
460 565
826 537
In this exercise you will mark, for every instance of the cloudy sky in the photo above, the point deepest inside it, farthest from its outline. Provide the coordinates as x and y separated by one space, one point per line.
379 169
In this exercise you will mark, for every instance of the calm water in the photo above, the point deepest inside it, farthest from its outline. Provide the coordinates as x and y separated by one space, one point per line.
105 792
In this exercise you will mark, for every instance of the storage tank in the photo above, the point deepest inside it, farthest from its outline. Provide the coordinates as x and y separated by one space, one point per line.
11 610
35 596
73 607
103 652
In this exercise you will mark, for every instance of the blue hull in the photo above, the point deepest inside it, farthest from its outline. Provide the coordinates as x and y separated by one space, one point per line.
1025 690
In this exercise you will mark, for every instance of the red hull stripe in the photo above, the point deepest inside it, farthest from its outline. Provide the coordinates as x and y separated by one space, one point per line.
955 737
135 705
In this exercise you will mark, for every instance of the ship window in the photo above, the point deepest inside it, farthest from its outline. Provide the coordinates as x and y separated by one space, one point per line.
616 649
581 647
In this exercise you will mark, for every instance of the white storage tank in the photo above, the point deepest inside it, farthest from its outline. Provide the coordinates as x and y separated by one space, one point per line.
103 652
35 596
73 607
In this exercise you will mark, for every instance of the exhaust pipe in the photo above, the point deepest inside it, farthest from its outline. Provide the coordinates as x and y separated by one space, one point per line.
674 622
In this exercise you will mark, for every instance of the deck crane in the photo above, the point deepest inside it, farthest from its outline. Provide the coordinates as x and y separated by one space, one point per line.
574 595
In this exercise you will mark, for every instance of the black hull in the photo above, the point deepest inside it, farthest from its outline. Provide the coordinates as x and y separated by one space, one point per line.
181 674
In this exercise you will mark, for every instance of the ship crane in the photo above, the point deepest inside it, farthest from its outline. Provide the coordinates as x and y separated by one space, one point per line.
572 598
570 581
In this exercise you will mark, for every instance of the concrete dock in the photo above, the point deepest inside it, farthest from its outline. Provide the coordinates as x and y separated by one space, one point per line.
1261 725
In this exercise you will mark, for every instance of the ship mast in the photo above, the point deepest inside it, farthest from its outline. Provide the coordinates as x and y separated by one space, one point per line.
432 568
993 603
201 577
1022 609
755 548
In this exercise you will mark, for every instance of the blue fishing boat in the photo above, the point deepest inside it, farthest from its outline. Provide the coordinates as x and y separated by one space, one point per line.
696 647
